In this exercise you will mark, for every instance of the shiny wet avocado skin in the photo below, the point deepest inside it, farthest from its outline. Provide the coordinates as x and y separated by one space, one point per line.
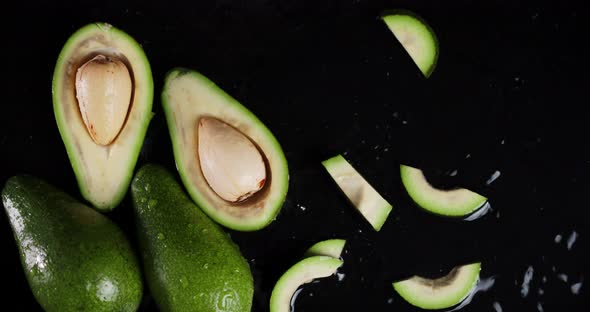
74 258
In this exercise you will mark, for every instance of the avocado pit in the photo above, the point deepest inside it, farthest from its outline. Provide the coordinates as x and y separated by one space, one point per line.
230 163
103 90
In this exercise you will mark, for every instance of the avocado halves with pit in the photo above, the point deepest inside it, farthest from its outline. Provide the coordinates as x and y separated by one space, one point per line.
102 102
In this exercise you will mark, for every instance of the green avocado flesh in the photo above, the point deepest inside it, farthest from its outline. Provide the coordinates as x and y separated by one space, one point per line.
453 203
190 263
74 258
302 272
187 98
359 192
416 37
103 172
440 293
331 248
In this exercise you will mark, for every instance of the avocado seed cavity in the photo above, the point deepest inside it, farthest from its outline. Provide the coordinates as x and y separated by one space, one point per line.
104 90
231 164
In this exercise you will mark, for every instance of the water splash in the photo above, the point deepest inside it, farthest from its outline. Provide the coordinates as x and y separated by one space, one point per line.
480 212
482 285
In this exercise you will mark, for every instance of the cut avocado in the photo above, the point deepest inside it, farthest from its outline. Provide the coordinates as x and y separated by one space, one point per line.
440 293
320 260
360 193
302 272
331 248
74 258
102 101
190 263
229 161
453 203
417 38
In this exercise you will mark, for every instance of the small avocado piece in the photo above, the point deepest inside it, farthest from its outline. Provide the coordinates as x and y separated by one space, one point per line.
229 161
359 192
102 101
331 248
74 258
302 272
190 263
417 38
440 293
453 203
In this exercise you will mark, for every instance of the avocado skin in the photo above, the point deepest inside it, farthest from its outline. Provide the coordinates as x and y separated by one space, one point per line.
74 258
189 262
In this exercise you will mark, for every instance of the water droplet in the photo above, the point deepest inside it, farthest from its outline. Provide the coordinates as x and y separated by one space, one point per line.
576 288
453 173
237 271
152 203
539 307
571 240
493 177
184 282
497 306
557 239
206 266
204 231
160 236
340 276
541 292
562 277
482 285
528 276
390 301
147 187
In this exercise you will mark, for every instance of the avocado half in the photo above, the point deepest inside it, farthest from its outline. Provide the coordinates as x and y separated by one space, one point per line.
359 192
457 202
320 260
191 100
103 171
416 37
440 293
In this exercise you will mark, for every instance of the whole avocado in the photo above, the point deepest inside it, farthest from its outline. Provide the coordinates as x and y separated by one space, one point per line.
74 258
190 263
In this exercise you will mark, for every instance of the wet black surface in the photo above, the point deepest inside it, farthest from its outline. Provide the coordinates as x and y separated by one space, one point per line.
508 96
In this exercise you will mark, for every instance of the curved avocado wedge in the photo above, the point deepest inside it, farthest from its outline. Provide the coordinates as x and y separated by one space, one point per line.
229 161
302 272
358 191
102 101
330 248
441 293
453 203
74 258
417 38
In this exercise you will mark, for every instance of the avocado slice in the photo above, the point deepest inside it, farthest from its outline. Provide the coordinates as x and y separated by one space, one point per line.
102 101
440 293
74 258
453 203
331 248
190 263
358 191
416 36
229 161
320 260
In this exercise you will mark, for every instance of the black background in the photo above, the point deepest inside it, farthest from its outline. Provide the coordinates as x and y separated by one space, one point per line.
509 94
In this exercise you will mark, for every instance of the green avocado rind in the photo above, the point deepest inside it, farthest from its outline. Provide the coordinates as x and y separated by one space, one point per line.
421 28
281 178
406 289
190 263
331 248
300 273
74 258
421 193
71 148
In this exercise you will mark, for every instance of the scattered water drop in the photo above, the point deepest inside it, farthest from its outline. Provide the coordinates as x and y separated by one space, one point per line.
147 187
558 238
544 279
493 177
562 277
528 277
467 156
301 207
453 173
571 240
482 285
541 292
576 288
480 212
184 282
340 276
390 301
294 298
206 266
160 236
386 149
497 306
539 307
